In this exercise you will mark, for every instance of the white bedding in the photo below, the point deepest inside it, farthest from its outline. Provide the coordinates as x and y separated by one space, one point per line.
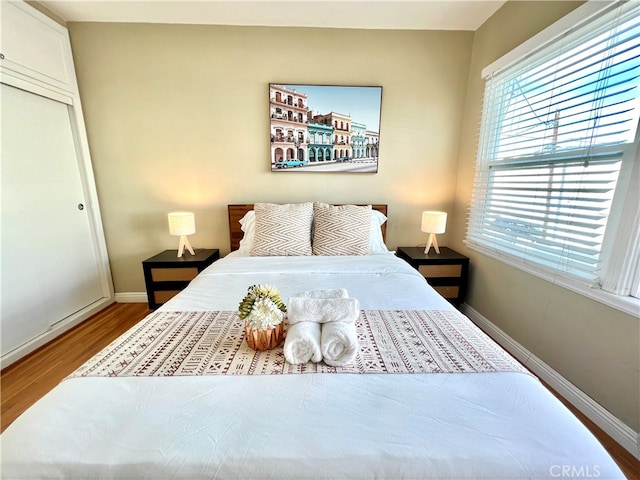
303 426
377 281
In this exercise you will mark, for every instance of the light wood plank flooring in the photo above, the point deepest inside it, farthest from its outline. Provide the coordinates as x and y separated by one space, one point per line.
24 382
28 379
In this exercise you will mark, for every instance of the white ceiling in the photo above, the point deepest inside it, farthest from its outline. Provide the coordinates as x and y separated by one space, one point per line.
376 14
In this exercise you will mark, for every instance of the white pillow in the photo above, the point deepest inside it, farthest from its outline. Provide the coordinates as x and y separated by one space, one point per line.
376 242
377 245
282 230
248 226
341 230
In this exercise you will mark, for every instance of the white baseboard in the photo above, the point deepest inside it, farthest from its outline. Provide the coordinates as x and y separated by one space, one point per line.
616 429
69 322
54 331
131 297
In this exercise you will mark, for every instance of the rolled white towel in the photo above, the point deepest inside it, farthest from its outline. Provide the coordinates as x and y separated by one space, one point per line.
302 343
339 343
325 293
322 310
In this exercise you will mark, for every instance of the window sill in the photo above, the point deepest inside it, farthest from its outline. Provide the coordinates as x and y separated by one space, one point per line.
626 304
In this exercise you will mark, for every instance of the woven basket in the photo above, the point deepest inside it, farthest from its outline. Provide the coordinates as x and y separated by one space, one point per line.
262 340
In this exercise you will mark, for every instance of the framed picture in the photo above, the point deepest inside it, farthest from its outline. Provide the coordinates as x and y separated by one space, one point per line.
324 128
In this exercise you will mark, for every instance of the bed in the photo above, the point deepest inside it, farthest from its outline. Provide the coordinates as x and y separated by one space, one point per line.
181 396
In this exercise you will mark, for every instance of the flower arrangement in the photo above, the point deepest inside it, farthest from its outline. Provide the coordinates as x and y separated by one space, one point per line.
262 307
263 310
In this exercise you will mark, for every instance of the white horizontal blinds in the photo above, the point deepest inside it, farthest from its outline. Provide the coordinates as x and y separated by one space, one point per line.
551 212
552 140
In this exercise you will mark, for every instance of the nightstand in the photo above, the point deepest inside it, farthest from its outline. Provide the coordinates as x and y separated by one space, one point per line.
446 272
166 274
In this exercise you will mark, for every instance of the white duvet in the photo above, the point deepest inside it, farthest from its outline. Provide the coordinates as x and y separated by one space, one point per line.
377 281
309 426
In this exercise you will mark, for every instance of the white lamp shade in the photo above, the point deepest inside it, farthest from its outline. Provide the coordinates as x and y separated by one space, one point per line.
182 223
434 222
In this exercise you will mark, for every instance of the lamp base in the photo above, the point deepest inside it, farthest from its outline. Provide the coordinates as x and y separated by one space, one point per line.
184 242
432 240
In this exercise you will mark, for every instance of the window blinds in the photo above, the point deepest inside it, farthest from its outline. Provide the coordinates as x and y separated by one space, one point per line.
555 129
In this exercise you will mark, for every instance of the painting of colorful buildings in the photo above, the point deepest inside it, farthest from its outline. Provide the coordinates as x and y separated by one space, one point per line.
324 128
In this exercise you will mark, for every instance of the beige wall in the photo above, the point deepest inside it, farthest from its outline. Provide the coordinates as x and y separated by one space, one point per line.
177 118
593 346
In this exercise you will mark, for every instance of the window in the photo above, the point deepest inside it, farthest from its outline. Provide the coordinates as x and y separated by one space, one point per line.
558 153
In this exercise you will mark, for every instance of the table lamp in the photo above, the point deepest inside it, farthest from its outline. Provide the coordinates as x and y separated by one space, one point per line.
182 224
432 223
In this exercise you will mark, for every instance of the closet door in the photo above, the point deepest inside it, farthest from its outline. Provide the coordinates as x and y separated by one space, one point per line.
48 264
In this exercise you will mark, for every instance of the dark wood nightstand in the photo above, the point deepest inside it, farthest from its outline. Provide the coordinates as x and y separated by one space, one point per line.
446 272
166 274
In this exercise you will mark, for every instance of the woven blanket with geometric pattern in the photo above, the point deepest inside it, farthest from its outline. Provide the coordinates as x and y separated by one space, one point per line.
212 343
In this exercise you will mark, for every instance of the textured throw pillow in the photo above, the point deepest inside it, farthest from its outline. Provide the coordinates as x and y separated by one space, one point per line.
341 229
283 230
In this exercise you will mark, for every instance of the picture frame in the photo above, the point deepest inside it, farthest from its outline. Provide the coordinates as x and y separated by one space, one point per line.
324 128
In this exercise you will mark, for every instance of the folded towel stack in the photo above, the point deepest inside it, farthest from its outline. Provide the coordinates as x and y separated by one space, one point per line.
326 293
322 310
322 326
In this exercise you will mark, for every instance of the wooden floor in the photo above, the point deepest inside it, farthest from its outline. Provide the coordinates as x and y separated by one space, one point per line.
24 382
28 379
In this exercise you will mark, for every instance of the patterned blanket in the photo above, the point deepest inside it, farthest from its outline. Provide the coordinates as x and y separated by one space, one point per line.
210 343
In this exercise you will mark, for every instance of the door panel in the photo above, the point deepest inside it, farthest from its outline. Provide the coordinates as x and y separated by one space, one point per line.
49 266
34 47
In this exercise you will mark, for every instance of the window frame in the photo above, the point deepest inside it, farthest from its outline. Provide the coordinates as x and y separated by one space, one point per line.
620 255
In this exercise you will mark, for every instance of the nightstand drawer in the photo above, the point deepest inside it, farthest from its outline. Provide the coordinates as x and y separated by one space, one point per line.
162 296
447 291
435 271
169 274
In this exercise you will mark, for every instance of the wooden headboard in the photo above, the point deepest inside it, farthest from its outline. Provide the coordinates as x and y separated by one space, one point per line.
236 212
